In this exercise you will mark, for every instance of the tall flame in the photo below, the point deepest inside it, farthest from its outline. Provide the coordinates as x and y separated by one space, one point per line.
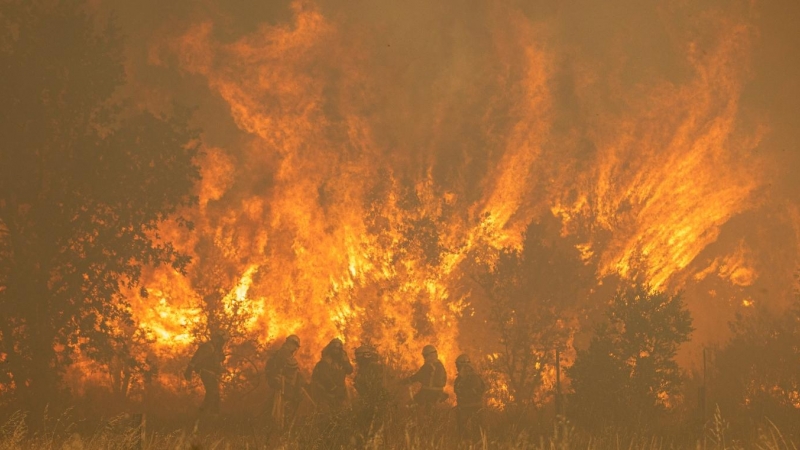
671 174
365 176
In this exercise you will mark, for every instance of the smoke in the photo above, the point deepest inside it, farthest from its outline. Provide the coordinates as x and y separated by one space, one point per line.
357 155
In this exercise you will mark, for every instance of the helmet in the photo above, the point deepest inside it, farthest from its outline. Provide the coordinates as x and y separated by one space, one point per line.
428 350
366 351
293 339
219 336
463 359
334 348
335 343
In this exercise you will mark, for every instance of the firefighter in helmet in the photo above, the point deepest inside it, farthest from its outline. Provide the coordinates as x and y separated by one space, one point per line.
284 377
369 383
328 377
469 389
207 363
432 378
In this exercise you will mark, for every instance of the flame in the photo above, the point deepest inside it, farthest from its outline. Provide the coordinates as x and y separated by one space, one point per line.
168 319
736 268
273 85
668 176
335 215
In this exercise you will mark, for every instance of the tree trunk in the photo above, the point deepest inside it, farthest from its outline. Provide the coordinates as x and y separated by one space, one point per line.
36 376
43 375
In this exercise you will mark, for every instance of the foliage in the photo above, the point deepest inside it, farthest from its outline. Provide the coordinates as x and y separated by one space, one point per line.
629 374
532 292
757 373
84 184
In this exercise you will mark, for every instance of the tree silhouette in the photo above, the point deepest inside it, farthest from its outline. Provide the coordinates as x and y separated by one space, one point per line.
629 374
757 374
84 184
532 294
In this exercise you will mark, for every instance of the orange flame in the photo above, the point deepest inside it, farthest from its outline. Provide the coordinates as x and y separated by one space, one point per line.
336 215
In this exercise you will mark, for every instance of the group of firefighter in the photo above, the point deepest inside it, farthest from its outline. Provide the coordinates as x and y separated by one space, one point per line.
327 390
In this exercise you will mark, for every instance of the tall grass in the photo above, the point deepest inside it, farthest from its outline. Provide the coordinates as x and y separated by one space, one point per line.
400 430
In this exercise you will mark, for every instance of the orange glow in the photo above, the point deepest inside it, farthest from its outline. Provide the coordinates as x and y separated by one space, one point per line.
668 176
330 216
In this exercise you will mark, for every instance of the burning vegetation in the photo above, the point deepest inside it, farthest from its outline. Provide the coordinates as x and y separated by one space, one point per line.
599 213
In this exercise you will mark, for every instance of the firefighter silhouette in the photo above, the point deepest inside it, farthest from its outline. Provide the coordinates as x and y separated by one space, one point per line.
469 389
432 378
287 383
369 383
207 362
328 377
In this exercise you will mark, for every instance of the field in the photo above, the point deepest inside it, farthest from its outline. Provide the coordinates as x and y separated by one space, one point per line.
401 429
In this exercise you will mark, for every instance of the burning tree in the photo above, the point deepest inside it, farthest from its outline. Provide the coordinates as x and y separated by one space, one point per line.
84 184
628 374
533 292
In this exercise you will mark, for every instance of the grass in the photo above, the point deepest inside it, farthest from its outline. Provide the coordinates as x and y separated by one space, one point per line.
402 430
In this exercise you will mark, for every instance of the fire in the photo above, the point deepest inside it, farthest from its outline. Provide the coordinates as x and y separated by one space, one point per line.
735 268
334 215
237 303
668 177
165 322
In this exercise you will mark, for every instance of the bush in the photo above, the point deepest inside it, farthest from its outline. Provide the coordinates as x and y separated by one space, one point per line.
629 375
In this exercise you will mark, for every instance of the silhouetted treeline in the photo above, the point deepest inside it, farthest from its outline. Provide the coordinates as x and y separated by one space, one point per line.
85 178
757 373
628 375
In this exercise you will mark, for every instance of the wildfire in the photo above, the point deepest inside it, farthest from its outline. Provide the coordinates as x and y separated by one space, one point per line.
337 216
668 177
165 321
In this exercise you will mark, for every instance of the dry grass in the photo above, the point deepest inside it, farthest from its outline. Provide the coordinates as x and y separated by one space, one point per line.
402 432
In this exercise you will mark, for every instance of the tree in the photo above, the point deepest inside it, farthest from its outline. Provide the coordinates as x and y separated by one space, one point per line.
84 184
532 294
629 374
757 374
